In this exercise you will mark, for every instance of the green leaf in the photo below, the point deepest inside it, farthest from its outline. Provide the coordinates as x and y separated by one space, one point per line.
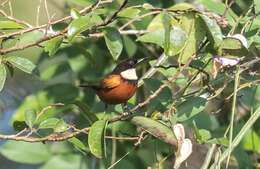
167 28
61 126
147 6
10 25
74 13
29 118
129 13
243 158
257 6
190 107
155 128
65 161
30 37
213 31
233 47
96 138
204 135
24 152
2 76
130 46
21 63
251 141
177 39
194 28
53 45
231 43
156 37
157 22
82 24
219 8
113 41
90 116
49 123
153 84
77 143
220 141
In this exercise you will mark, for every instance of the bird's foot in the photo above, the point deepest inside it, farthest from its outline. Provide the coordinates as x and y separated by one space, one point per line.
127 109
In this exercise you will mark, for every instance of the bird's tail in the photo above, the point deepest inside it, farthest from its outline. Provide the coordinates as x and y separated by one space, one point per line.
89 86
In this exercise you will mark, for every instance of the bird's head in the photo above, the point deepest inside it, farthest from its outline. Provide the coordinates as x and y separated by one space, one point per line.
126 68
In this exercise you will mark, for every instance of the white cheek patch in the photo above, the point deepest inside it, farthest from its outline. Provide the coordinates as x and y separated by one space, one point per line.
129 74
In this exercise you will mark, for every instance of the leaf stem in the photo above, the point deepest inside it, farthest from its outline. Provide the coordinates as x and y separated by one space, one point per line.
233 114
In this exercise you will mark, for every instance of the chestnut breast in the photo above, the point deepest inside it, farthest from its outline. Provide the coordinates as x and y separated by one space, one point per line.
120 93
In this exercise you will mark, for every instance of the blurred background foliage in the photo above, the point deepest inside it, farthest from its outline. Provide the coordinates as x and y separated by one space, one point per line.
57 66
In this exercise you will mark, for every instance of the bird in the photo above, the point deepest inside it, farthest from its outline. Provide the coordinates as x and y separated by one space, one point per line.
120 85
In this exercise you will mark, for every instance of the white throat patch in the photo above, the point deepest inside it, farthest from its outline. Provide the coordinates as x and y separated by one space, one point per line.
129 74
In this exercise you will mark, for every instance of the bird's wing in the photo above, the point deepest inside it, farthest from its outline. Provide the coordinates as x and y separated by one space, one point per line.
110 82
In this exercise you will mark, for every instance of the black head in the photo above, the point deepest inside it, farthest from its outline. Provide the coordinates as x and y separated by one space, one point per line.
127 64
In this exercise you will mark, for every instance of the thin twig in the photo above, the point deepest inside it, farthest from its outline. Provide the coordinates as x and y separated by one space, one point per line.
233 114
121 138
137 18
227 8
47 108
249 84
15 20
123 32
248 21
67 18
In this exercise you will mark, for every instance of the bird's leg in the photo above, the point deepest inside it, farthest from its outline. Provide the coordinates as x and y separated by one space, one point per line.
105 111
127 109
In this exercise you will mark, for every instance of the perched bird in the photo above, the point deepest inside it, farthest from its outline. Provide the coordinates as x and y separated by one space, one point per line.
120 85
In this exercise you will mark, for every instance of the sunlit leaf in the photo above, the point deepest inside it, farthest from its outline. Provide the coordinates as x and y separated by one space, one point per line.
49 123
10 25
220 141
257 6
219 8
77 143
155 128
24 152
251 141
52 46
129 13
30 37
213 31
157 23
82 24
167 28
113 41
194 28
21 63
61 126
74 13
29 117
177 39
2 76
96 138
147 6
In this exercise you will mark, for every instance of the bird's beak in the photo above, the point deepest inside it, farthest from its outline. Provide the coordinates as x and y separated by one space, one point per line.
142 60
